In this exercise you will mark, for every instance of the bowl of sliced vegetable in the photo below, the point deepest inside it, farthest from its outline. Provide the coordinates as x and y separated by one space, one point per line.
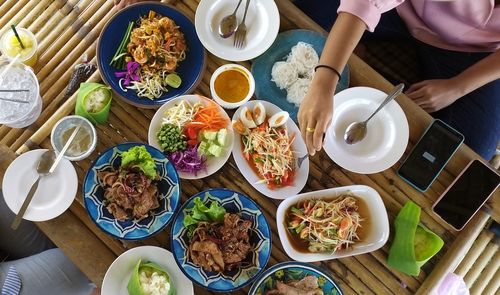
194 133
149 53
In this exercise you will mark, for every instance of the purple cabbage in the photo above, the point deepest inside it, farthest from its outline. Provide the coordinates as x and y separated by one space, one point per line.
188 160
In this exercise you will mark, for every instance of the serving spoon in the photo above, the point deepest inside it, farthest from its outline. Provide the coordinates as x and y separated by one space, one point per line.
356 131
229 24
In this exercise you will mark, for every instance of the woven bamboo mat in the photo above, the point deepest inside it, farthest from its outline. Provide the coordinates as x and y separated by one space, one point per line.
67 31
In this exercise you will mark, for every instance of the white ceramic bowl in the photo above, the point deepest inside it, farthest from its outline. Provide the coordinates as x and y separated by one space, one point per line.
244 71
377 231
68 122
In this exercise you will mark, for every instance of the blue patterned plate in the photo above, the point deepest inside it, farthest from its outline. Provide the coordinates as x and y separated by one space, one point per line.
293 271
265 89
260 237
190 70
93 195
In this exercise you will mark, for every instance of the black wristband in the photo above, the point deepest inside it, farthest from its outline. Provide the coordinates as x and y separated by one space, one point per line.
328 67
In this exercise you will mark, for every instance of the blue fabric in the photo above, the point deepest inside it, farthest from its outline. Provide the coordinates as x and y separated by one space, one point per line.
12 284
476 115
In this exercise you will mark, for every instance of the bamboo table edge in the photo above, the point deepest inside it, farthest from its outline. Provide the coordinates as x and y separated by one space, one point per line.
361 71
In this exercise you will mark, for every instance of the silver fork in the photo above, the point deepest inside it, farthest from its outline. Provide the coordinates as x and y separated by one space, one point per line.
301 159
241 33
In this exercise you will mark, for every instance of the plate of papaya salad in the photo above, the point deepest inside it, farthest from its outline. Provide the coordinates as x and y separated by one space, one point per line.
194 133
266 149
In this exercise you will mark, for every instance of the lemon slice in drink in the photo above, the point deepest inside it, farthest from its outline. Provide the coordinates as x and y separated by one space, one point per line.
173 80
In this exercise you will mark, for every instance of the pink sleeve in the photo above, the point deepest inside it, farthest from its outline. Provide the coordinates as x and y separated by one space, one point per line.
368 11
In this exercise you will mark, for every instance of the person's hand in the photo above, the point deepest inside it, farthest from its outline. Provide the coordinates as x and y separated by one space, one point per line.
433 95
316 111
124 3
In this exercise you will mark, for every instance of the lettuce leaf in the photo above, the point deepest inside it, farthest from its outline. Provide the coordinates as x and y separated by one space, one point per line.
139 157
200 212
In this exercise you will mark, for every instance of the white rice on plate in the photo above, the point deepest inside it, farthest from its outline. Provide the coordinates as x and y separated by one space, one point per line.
295 74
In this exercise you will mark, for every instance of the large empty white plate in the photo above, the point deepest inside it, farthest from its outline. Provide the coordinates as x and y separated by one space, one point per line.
54 194
118 274
262 23
387 135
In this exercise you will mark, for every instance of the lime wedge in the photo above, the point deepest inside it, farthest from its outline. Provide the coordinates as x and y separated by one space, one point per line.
173 80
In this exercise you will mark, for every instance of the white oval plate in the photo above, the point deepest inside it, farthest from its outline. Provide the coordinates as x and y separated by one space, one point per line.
262 22
54 194
118 274
213 163
378 231
299 147
387 135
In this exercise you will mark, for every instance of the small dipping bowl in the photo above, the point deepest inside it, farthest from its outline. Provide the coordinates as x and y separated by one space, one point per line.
232 85
83 144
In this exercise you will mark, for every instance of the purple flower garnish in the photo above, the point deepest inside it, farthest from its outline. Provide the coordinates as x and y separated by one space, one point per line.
132 73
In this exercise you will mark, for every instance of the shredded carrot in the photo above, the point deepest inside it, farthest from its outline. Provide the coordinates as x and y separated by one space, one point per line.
208 118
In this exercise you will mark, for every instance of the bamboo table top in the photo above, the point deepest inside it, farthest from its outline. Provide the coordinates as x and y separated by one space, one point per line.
68 30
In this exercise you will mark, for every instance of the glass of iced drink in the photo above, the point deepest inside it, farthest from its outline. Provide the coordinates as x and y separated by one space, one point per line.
10 46
20 101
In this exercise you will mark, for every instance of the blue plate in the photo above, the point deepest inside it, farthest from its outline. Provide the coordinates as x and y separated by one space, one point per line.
190 70
93 195
265 89
260 237
293 271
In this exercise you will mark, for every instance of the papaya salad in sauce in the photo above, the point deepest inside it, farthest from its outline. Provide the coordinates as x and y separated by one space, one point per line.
326 225
191 133
148 56
267 145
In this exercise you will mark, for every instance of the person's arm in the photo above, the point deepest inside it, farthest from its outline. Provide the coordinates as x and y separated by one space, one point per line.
433 95
316 110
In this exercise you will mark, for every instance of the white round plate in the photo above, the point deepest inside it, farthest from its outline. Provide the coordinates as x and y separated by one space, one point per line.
54 194
299 147
213 163
118 274
262 22
387 135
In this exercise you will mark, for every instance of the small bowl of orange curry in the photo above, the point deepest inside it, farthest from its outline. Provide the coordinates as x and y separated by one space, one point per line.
232 85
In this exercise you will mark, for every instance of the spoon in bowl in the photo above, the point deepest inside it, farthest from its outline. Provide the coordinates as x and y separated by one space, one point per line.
229 24
356 131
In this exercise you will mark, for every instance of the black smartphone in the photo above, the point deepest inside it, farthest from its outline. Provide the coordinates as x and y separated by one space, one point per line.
470 190
429 156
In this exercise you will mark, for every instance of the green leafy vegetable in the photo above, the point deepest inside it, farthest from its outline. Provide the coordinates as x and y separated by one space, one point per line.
118 59
139 157
200 212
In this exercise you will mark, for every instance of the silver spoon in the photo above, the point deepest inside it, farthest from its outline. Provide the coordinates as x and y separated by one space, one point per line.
43 168
357 130
229 24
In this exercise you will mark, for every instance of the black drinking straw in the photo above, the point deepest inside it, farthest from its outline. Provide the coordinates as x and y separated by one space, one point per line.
17 36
